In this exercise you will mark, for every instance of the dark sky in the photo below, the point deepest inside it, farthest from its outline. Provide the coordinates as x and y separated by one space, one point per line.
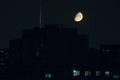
101 18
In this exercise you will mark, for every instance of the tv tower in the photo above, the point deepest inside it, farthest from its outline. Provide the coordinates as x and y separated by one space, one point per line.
40 16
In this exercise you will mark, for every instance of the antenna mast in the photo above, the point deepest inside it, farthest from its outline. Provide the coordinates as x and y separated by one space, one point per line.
40 16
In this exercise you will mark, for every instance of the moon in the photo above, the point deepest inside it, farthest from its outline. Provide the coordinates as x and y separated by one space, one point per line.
78 17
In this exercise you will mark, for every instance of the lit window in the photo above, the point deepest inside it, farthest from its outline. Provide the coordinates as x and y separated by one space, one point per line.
76 72
115 76
2 51
98 73
107 50
41 44
6 53
2 64
1 59
48 75
87 73
37 53
107 73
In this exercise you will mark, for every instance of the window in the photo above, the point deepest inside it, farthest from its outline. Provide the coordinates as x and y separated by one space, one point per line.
2 51
87 73
48 75
1 59
41 44
37 53
2 64
76 72
115 76
107 73
98 73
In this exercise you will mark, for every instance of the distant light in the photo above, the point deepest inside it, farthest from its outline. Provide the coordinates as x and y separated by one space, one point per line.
48 75
6 53
115 76
107 73
78 17
41 44
37 53
1 59
107 50
2 51
2 64
87 73
76 72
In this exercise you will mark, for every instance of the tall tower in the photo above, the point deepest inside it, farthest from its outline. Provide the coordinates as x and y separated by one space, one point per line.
40 16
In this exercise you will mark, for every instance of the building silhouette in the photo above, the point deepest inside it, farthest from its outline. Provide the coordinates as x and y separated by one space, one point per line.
50 45
54 52
110 54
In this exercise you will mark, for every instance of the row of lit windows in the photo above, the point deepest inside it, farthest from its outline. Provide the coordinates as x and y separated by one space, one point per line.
98 74
87 73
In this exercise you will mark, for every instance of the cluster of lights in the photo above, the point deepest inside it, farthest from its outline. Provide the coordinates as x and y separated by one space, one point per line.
3 57
98 74
76 73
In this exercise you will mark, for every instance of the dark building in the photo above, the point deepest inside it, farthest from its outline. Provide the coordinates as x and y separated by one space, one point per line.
94 57
4 59
80 50
16 52
54 45
110 54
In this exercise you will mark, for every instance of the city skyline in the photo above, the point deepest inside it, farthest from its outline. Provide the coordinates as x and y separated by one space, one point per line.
101 18
55 52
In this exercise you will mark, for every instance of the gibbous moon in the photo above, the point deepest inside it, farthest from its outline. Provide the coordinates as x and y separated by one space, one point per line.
78 17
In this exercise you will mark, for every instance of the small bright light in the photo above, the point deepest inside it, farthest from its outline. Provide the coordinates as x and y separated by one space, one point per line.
107 73
78 17
76 72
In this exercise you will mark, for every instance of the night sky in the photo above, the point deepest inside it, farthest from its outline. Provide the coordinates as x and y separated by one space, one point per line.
101 18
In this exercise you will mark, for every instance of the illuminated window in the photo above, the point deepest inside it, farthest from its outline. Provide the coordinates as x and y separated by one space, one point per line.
87 73
76 72
98 73
7 57
1 59
37 53
107 73
6 53
115 76
48 75
2 51
2 64
41 44
107 50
